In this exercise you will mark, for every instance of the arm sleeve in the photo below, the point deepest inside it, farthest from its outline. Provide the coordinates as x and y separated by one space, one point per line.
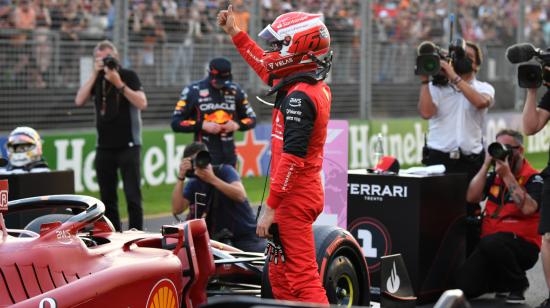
245 113
251 53
299 114
189 191
186 117
132 81
228 174
545 101
489 90
435 93
534 188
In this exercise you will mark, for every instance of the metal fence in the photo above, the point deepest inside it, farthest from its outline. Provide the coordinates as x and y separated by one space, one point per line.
43 68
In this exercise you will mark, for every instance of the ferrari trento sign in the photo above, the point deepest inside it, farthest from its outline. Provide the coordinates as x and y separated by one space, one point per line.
3 196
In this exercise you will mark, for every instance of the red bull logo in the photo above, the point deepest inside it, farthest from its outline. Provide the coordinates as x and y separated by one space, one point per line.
219 117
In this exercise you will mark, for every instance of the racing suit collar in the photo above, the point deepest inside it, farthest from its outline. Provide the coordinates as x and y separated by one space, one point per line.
307 77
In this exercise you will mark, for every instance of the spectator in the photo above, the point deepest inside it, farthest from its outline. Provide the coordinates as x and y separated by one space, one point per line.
95 21
216 194
456 112
71 27
213 109
5 12
118 99
42 46
509 242
24 20
242 16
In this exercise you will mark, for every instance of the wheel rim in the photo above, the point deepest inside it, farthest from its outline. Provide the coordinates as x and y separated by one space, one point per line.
344 290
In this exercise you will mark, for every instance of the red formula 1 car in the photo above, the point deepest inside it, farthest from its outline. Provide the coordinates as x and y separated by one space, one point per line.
70 256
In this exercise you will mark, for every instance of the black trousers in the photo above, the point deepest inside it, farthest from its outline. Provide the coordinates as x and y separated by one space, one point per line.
107 164
498 264
469 164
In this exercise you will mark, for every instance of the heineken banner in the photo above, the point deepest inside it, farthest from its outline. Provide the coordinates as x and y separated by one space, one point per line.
161 152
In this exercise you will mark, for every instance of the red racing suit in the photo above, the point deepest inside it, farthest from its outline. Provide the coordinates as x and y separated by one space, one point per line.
299 128
502 214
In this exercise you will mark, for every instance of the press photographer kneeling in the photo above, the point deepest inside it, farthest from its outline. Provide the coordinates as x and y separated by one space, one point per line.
216 194
509 243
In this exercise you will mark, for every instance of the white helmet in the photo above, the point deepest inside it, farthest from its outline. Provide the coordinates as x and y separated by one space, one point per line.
24 147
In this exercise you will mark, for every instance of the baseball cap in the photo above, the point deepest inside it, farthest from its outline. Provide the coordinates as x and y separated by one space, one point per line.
386 165
220 71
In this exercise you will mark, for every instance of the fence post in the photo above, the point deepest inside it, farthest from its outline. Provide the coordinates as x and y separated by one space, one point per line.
120 30
520 37
365 61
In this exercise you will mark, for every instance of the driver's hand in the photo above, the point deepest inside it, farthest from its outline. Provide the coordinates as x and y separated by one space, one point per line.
265 221
206 175
211 127
185 165
230 126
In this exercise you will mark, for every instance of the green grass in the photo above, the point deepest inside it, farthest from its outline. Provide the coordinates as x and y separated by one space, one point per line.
156 200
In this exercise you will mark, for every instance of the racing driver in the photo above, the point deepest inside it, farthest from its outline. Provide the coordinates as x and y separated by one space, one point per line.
212 109
295 68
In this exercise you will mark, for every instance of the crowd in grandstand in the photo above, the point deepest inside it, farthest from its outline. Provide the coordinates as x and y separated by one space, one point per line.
193 21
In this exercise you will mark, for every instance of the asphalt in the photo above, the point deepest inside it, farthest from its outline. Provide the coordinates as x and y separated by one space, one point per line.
536 293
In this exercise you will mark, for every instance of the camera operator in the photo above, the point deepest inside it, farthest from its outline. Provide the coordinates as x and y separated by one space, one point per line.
214 108
509 242
119 99
216 193
456 114
534 120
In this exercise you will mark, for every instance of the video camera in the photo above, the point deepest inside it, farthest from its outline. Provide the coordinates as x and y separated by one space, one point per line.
201 161
111 62
530 75
499 151
429 55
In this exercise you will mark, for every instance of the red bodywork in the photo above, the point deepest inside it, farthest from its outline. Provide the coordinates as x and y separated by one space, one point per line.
130 269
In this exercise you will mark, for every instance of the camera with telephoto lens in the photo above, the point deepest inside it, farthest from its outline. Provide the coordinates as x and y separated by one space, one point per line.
499 151
110 62
530 74
429 55
201 161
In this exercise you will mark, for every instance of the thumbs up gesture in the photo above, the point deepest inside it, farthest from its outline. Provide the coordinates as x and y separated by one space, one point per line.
226 20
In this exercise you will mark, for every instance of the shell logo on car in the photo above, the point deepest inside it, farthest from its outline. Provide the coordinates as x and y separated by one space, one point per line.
163 295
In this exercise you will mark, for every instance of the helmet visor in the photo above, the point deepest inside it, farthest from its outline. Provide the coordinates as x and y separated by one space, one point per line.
269 35
20 143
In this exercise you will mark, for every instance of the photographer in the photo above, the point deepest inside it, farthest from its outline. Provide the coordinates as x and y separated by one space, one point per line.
119 99
456 113
534 120
216 194
213 109
509 242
